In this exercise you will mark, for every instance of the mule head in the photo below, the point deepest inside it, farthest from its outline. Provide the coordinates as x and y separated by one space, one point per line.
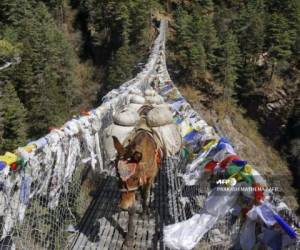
127 162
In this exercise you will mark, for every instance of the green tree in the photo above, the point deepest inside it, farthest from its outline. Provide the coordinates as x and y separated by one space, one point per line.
13 11
251 35
14 119
184 37
120 68
44 78
121 63
229 63
279 41
208 5
119 31
295 16
197 61
251 28
210 40
196 42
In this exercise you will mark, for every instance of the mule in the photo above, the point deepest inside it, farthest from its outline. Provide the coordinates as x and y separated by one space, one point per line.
137 165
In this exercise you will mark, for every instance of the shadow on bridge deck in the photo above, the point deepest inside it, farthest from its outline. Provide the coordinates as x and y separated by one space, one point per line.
104 225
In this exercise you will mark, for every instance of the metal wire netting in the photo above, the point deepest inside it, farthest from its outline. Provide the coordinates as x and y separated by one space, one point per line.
45 228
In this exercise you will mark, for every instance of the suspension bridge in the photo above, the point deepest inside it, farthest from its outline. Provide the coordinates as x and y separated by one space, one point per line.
63 193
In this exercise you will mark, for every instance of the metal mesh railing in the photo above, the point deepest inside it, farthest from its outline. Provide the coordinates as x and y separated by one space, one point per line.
45 228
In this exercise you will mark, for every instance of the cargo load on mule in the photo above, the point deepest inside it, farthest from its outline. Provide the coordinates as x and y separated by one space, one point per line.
158 120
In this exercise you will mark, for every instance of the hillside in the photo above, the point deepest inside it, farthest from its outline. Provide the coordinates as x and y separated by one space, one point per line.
242 58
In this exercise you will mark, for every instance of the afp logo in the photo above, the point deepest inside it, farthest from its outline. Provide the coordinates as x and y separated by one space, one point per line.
228 182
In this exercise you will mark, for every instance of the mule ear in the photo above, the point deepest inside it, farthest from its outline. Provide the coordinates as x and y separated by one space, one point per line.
118 146
137 156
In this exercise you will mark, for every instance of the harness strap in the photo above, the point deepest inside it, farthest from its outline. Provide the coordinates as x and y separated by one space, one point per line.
124 190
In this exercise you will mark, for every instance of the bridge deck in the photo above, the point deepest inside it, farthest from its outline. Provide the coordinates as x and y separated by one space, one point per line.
104 226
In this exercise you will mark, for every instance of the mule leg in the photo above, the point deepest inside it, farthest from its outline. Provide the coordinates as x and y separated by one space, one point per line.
146 199
129 239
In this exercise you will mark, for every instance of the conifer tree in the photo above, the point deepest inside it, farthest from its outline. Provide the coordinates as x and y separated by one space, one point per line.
13 11
44 77
14 119
295 16
210 41
121 63
279 41
184 37
251 36
208 5
251 27
197 60
120 68
229 64
120 32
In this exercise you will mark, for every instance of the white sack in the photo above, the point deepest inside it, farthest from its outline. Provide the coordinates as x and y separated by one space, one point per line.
169 137
126 117
150 92
159 117
135 91
156 99
137 99
134 107
121 132
162 106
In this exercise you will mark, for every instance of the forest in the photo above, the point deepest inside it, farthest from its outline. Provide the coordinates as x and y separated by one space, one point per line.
58 58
